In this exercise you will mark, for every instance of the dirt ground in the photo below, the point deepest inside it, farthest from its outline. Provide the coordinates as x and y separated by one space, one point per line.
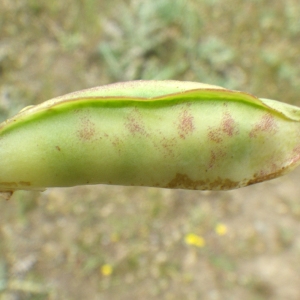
112 242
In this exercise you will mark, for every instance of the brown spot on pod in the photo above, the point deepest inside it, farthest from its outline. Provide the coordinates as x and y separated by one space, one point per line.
168 145
215 155
186 123
215 135
117 143
87 128
262 176
134 122
266 124
183 181
227 127
9 184
228 124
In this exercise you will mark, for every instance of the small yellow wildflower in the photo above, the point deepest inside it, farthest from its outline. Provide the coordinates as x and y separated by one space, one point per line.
221 229
114 237
195 240
106 270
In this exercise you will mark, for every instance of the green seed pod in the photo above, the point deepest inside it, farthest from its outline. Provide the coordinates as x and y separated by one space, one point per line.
167 134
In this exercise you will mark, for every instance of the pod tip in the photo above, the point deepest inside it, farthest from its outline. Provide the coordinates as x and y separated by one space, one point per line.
6 195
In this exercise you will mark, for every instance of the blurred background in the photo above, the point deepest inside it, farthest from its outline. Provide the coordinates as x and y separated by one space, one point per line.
109 242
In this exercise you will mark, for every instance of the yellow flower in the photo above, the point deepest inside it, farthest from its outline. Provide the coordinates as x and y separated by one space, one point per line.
195 240
106 270
221 229
114 237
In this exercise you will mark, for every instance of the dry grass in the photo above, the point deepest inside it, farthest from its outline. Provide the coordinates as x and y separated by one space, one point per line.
107 242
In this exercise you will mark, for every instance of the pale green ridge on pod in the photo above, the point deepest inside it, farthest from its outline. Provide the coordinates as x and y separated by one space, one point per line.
167 134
